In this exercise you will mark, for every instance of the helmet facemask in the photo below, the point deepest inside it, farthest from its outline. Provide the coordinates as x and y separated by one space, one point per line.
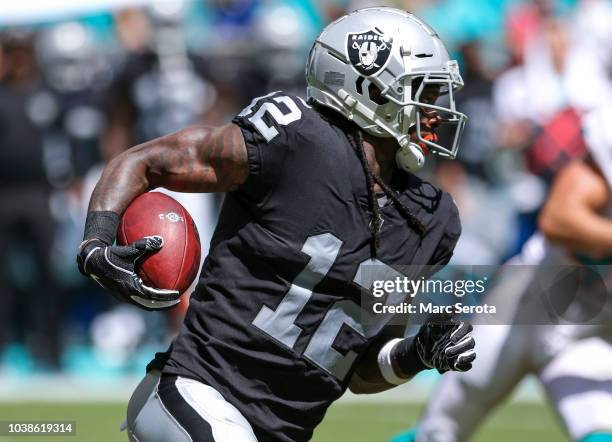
404 96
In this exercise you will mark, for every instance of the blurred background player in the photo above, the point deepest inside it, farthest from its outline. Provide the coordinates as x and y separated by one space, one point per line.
29 315
573 362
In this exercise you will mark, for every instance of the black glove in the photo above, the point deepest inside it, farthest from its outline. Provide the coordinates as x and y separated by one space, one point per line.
443 342
113 267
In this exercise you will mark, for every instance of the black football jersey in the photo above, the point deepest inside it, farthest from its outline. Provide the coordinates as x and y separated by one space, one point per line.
275 323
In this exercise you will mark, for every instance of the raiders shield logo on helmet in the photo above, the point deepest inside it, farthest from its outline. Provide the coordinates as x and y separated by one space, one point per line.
368 51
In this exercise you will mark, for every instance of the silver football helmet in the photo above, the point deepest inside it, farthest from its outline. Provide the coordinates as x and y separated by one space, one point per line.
372 66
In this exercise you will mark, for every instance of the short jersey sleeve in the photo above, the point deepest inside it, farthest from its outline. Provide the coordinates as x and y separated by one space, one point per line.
270 126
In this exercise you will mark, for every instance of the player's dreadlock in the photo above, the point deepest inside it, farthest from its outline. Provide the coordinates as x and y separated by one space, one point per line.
355 137
414 222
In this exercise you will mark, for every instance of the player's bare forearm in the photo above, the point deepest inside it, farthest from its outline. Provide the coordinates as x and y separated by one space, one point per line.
571 216
368 378
443 342
196 159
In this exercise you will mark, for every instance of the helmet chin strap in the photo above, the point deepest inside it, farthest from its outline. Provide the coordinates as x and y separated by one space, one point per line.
409 157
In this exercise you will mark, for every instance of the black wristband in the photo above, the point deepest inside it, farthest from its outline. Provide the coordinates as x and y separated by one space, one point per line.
407 358
102 225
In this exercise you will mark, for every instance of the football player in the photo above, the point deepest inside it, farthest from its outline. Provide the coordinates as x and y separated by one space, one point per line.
573 362
316 192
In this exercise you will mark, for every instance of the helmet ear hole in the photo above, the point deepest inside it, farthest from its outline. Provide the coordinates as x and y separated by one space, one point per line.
375 95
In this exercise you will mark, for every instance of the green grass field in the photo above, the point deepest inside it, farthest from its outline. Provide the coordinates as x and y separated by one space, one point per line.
344 422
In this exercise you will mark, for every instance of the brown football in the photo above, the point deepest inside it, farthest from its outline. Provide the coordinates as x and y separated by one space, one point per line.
176 265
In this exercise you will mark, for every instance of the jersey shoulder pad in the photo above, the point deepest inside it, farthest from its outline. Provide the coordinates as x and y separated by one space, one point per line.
282 134
434 207
423 195
272 118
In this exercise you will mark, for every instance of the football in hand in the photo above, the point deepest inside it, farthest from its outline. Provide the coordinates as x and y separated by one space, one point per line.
176 265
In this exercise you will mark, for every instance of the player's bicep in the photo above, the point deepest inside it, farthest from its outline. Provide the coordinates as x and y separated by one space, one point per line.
571 215
577 186
200 159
